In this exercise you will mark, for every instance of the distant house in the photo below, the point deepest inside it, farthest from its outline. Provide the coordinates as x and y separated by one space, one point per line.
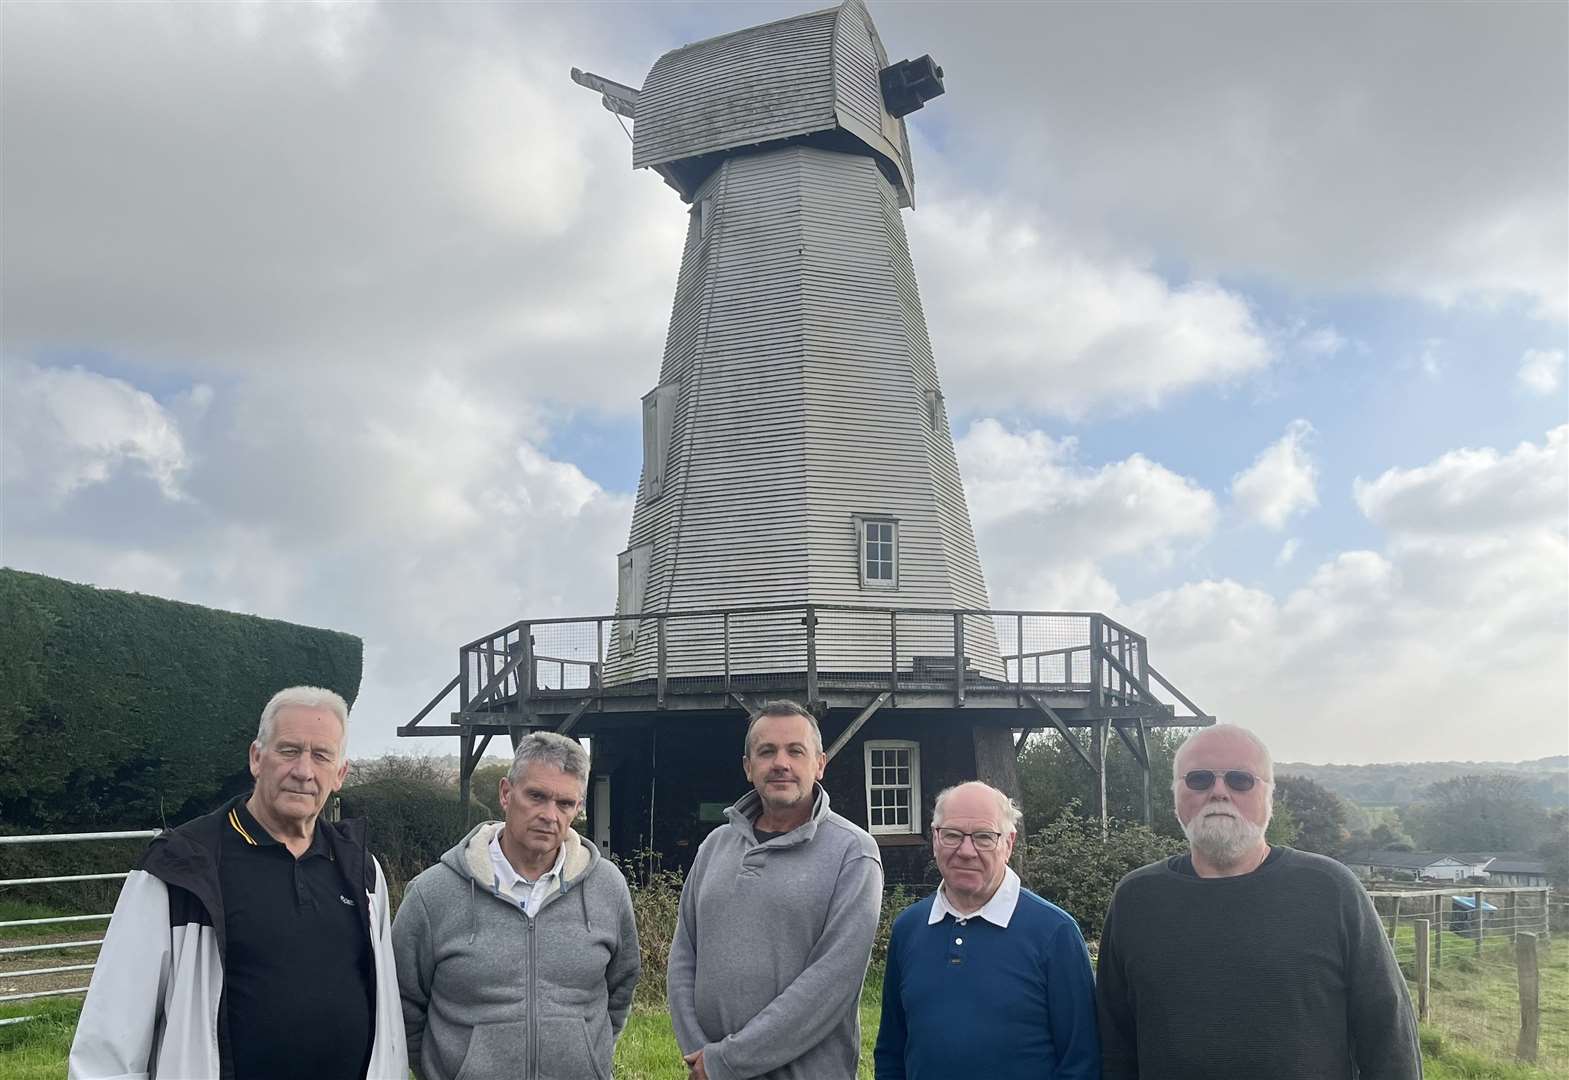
1512 868
1423 865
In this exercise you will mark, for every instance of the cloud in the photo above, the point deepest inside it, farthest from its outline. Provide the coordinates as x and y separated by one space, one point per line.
1473 493
1287 139
1288 552
68 429
1064 331
1384 650
1045 521
1541 370
1324 341
1282 481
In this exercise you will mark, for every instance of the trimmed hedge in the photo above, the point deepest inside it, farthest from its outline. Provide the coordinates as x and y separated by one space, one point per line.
411 823
123 711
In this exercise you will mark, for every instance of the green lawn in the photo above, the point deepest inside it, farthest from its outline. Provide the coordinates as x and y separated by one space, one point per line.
1471 1037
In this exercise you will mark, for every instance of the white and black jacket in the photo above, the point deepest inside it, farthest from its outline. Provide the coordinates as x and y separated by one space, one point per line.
155 1008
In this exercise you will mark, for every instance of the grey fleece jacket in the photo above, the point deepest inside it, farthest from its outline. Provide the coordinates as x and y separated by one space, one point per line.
489 992
771 947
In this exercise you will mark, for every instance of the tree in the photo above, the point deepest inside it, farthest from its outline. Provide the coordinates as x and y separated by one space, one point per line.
1052 778
1283 828
1319 814
1491 812
1554 851
1069 864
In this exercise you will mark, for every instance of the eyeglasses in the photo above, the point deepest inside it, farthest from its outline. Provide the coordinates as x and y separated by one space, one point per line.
1236 779
983 840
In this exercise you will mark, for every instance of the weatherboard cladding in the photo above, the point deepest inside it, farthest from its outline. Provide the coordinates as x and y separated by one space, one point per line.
803 365
789 79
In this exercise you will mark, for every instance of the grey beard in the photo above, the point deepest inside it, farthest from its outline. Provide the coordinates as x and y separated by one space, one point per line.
1221 840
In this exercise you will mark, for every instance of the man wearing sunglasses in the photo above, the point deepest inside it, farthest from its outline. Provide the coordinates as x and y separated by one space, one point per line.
1242 959
984 978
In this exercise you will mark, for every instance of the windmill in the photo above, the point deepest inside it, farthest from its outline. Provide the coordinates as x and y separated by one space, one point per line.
800 527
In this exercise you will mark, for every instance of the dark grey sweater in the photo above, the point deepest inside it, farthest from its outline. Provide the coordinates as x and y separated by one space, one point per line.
1283 973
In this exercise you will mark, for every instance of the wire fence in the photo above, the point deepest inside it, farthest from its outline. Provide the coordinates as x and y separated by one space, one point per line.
1465 952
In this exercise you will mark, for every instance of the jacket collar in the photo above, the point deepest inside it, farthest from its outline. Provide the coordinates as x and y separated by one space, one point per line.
743 817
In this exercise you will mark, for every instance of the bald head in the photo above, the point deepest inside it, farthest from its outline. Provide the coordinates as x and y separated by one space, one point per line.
977 799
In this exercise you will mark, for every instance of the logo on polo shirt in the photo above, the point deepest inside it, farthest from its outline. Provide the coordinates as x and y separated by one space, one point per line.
346 900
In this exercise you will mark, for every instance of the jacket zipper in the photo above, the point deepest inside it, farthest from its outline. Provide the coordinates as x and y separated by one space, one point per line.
533 1014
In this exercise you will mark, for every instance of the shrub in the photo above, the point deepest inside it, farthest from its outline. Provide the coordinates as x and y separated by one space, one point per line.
1068 863
656 901
411 824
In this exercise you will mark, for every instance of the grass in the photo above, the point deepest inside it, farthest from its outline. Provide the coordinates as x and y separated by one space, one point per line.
1475 1020
11 910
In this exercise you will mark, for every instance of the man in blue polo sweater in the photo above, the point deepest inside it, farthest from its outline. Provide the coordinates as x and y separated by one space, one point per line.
985 978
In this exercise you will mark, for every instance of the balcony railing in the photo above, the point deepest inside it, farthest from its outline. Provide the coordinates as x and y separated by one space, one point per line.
554 664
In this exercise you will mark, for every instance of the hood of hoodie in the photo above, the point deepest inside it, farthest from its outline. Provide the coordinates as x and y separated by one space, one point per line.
469 858
743 816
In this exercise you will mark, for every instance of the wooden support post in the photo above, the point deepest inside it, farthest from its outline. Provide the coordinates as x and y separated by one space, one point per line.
811 657
958 661
1511 913
728 684
526 668
1394 922
1530 997
1422 978
1018 633
1102 729
465 771
1149 816
662 680
1439 903
1480 919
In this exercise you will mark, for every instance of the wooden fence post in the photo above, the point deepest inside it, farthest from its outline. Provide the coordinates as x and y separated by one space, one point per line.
1439 902
1530 997
1511 919
1422 979
1394 921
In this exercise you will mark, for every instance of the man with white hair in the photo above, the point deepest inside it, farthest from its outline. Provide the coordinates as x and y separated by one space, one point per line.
253 942
984 978
1242 959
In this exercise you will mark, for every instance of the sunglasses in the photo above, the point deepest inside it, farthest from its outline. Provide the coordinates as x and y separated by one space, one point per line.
1235 779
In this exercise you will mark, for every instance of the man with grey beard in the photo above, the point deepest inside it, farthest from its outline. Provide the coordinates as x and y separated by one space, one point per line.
1242 959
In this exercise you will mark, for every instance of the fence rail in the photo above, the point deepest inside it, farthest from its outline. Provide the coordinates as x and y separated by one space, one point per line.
755 649
62 920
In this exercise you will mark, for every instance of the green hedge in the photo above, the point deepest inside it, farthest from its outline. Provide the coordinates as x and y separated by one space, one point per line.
121 711
411 822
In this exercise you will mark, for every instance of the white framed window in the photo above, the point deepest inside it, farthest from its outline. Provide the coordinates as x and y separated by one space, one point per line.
877 546
893 787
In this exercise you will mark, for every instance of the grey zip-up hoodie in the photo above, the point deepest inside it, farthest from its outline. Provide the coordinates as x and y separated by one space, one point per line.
771 947
490 992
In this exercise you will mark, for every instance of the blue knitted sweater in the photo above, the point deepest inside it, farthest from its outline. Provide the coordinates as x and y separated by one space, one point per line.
976 1000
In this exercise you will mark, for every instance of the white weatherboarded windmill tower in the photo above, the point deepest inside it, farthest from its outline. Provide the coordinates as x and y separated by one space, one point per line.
796 448
800 527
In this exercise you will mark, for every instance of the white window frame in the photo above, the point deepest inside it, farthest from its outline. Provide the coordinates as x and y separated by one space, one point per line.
914 786
861 523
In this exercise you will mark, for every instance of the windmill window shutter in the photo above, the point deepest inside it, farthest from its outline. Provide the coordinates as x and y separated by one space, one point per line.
632 591
659 414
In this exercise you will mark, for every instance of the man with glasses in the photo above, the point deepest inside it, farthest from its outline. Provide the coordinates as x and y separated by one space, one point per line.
1242 959
984 978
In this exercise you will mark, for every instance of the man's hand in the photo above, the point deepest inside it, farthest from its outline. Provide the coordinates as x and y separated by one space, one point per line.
694 1064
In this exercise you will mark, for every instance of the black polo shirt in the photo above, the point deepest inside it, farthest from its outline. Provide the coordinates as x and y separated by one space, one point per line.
298 977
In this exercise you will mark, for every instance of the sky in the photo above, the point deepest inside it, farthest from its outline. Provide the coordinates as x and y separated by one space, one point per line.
1251 321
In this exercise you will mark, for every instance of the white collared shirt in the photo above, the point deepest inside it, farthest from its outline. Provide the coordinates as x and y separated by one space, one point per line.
997 911
528 894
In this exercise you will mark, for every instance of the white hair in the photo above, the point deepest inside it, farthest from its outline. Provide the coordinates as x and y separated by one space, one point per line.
303 697
1008 813
1268 764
